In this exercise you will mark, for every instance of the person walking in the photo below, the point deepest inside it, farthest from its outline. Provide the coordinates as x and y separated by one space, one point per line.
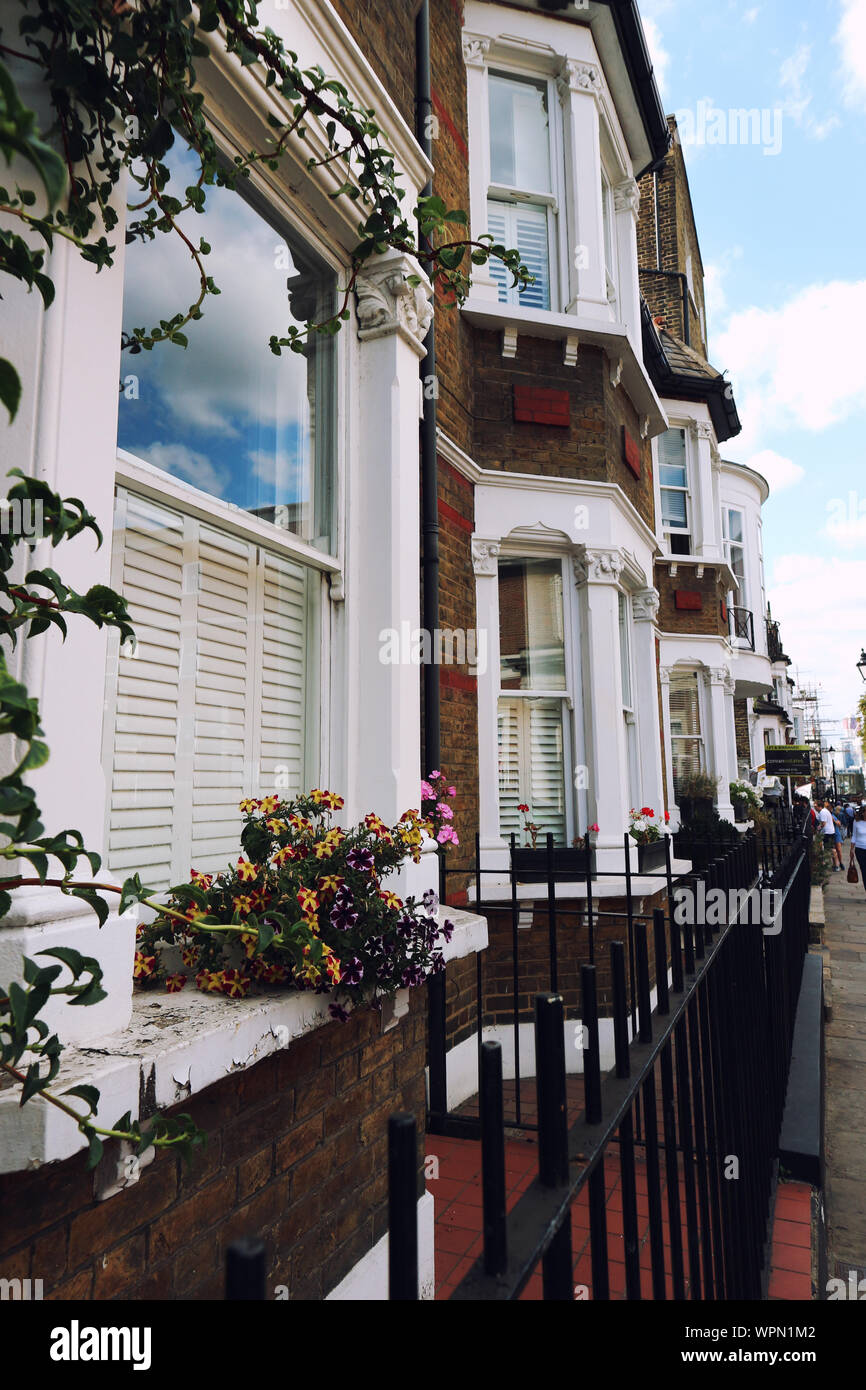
827 828
858 842
836 813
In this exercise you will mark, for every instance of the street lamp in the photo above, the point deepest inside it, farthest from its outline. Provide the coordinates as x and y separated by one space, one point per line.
861 665
831 749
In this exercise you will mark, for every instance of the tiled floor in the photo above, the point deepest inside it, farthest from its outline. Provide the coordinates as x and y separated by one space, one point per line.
458 1241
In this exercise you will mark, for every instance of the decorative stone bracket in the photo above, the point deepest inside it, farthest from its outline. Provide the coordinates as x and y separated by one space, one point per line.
387 303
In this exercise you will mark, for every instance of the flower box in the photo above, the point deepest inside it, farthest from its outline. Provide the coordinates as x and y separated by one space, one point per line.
531 865
651 856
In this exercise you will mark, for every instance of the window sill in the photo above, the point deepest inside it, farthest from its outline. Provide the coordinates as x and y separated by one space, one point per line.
175 1046
700 563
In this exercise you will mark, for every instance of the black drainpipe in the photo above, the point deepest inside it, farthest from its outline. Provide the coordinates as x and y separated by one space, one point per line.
437 1101
429 469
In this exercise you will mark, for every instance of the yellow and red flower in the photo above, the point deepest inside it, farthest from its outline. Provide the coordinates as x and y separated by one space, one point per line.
243 905
268 805
330 883
248 805
174 983
275 825
247 871
144 966
308 899
203 880
390 899
234 984
211 981
284 855
249 940
189 955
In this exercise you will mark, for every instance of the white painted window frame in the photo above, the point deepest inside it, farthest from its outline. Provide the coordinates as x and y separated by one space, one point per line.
688 490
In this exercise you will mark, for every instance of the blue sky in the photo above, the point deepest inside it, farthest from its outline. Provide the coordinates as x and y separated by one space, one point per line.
783 242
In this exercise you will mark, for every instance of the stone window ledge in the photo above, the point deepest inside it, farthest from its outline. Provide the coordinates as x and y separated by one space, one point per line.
175 1046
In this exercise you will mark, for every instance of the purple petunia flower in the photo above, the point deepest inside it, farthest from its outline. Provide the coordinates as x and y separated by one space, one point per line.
405 926
438 962
360 859
343 918
447 929
430 900
336 1012
412 975
376 946
353 972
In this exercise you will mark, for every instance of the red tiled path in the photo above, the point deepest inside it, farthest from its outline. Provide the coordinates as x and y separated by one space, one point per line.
458 1223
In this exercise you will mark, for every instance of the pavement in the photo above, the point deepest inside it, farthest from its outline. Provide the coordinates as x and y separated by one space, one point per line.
845 1050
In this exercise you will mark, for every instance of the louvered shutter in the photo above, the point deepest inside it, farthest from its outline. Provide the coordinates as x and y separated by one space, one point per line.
283 666
213 705
223 714
144 693
524 226
510 795
547 768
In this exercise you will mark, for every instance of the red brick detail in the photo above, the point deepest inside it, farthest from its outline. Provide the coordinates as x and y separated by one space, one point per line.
631 452
688 599
456 680
452 515
456 475
449 125
723 609
540 405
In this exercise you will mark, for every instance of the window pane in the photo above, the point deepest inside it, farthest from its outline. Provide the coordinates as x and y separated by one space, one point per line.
685 710
225 414
674 509
672 476
735 525
672 448
624 651
519 140
531 638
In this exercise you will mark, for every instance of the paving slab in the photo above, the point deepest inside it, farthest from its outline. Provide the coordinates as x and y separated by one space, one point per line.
844 938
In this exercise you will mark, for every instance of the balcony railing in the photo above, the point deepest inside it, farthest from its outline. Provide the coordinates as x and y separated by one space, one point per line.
741 624
775 650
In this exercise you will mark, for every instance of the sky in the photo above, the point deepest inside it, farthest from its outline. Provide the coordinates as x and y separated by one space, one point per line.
781 220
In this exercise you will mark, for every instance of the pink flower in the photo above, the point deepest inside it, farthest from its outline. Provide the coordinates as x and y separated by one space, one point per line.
447 836
593 826
452 791
445 811
435 774
427 792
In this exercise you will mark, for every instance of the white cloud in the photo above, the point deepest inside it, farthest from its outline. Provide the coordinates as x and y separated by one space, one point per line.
851 39
780 472
800 365
658 53
797 98
186 463
715 274
819 603
751 15
846 521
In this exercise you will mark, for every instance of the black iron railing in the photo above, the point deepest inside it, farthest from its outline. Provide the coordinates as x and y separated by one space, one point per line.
775 651
690 1115
741 625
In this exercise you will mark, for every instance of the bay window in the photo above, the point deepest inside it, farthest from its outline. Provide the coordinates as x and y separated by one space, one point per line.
674 490
627 694
532 725
234 450
735 550
521 204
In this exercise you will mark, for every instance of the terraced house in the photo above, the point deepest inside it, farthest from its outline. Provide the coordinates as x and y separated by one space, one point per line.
531 479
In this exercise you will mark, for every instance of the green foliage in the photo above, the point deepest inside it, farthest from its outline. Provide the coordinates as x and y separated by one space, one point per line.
122 85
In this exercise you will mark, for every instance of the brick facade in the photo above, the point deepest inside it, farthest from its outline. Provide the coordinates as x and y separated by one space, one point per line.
296 1154
666 239
681 616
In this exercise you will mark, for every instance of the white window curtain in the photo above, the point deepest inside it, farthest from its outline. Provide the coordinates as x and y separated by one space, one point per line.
525 227
532 767
521 207
673 482
686 740
214 703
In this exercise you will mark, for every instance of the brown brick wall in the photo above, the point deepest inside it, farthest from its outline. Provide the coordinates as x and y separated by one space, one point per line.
708 619
741 727
297 1154
677 237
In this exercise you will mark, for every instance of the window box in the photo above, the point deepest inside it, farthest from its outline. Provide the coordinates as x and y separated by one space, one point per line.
651 857
532 866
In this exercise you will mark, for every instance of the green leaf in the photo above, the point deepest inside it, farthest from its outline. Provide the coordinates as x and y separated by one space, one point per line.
10 388
98 903
87 1093
95 1147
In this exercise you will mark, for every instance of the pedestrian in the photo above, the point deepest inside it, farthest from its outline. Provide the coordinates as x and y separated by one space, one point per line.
828 830
858 842
850 813
836 813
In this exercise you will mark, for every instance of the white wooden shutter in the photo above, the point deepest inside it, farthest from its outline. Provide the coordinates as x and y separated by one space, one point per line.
532 767
282 662
223 713
510 795
547 768
524 227
144 695
213 706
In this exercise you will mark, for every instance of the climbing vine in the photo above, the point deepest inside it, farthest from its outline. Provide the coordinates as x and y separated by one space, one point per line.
120 88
